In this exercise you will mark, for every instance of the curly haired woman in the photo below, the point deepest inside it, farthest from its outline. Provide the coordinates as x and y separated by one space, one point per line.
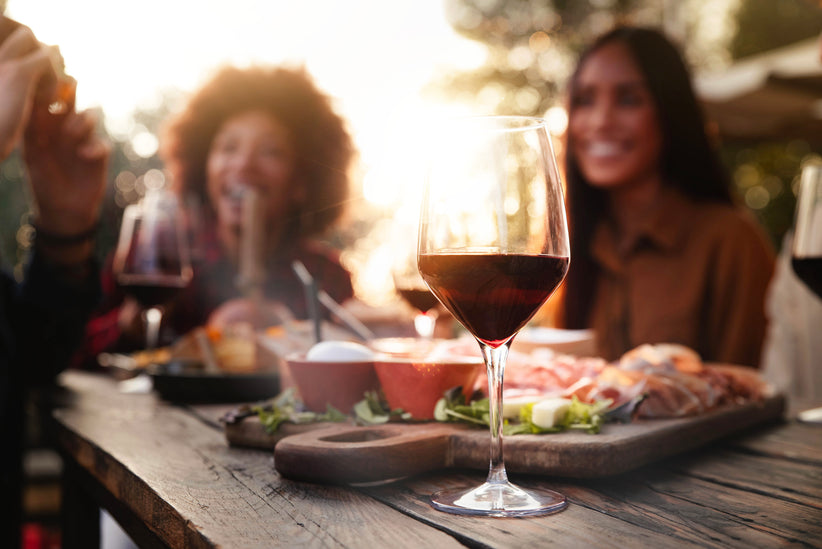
269 130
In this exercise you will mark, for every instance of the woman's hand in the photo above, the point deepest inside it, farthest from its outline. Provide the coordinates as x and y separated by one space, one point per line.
26 72
67 163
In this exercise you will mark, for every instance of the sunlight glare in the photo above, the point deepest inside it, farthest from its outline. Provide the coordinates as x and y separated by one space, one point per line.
144 143
374 58
557 120
395 160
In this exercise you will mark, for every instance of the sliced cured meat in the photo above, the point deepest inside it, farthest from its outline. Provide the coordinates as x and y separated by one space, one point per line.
673 379
741 383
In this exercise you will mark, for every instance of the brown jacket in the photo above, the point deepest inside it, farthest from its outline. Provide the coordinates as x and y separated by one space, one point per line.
697 275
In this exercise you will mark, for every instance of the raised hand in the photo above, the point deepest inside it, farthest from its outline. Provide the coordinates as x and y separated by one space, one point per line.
67 163
26 72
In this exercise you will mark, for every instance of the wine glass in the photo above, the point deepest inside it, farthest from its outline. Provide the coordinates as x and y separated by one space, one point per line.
806 250
493 246
151 262
412 288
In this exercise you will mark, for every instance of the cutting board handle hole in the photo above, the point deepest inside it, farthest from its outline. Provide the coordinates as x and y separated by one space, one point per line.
364 435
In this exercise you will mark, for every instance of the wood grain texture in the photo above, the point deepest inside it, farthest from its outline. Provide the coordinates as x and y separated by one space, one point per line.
653 507
793 441
790 481
710 514
577 526
171 470
179 477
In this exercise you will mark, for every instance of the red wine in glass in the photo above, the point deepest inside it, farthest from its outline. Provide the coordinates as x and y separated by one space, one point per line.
420 298
806 249
493 295
809 271
150 290
151 262
412 289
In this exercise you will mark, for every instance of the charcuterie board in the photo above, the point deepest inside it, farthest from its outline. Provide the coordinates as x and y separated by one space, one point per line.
348 454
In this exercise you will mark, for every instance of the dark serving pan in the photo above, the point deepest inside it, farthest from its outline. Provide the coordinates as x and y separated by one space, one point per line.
187 382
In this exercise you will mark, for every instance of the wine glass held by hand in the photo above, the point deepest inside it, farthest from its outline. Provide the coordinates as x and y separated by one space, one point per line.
806 251
152 262
493 246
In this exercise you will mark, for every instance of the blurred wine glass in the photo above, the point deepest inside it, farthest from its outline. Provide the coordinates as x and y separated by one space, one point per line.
806 250
152 261
493 247
413 290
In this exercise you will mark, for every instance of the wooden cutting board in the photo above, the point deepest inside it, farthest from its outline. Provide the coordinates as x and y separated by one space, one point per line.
347 454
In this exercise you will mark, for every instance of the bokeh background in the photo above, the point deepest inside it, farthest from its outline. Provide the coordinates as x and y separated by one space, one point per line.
394 67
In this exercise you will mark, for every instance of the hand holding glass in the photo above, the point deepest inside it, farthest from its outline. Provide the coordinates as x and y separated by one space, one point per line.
151 261
493 246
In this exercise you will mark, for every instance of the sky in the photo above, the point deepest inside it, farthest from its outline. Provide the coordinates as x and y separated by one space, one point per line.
372 56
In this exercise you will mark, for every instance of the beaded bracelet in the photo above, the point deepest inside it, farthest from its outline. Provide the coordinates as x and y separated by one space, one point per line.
59 240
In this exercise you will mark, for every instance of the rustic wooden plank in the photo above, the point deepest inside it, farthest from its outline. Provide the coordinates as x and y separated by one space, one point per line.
576 526
701 512
81 530
179 477
787 480
790 440
234 498
655 506
211 413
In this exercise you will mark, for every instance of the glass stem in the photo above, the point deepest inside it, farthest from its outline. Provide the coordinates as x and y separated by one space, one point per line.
153 316
495 367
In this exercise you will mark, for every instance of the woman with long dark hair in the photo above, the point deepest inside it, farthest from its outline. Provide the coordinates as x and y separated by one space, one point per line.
660 253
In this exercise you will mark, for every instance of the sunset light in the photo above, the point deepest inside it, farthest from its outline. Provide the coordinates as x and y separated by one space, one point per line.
374 57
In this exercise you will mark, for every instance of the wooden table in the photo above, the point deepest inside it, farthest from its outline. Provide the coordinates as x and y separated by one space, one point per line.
167 475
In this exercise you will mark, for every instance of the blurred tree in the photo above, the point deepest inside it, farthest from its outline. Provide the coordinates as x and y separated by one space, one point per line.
764 25
134 152
533 46
766 174
13 208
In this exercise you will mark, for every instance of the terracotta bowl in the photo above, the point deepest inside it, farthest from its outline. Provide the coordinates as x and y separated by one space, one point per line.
415 384
340 384
404 347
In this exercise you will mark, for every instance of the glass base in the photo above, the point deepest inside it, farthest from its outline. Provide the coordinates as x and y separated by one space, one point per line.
499 500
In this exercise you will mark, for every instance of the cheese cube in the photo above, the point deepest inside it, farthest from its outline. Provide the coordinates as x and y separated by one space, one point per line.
511 406
549 412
